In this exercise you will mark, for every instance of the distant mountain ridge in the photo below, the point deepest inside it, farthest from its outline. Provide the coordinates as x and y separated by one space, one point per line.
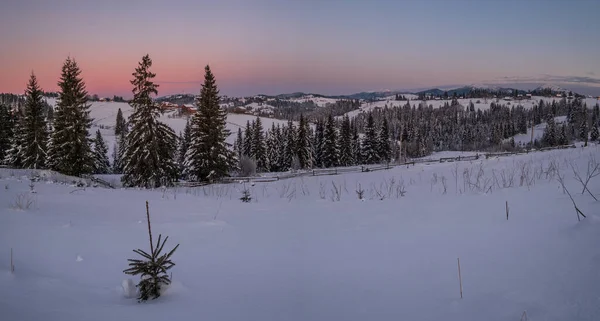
374 95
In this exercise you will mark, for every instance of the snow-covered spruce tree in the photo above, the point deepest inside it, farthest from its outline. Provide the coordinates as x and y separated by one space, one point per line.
149 158
6 131
549 136
101 163
208 157
184 145
356 146
118 152
583 125
259 151
280 145
594 135
120 124
238 145
247 142
14 154
346 155
272 152
303 145
384 147
70 149
153 266
289 151
318 144
331 151
370 144
34 127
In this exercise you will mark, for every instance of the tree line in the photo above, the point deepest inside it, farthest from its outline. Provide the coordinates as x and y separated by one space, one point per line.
33 136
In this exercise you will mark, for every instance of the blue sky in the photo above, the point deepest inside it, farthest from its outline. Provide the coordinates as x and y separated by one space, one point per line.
328 46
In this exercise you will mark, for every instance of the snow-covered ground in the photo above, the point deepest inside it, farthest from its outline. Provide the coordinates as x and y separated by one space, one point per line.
299 251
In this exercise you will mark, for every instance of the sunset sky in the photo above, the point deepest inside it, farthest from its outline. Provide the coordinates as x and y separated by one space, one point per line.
272 47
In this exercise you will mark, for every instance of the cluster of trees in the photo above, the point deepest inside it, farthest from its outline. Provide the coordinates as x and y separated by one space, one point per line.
45 137
331 143
580 124
146 153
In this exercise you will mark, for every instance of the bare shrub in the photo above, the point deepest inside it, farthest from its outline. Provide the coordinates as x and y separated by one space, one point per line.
23 201
335 192
593 170
322 193
360 192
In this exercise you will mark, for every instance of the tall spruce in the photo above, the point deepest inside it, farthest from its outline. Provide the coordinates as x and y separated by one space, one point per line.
370 143
34 129
120 124
318 143
290 146
150 145
70 149
101 163
356 146
6 131
184 144
583 125
384 149
331 151
259 152
14 154
272 149
303 146
594 135
346 153
238 145
247 143
208 157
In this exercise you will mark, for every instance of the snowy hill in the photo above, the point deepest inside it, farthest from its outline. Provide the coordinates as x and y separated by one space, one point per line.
309 249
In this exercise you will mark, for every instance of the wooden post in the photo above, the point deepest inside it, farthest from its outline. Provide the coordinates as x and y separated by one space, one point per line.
460 279
12 265
507 210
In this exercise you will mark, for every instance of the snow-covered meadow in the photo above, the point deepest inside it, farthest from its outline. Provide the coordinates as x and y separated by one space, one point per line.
308 249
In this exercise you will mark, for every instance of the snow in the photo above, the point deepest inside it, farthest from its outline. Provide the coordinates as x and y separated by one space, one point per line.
296 253
538 131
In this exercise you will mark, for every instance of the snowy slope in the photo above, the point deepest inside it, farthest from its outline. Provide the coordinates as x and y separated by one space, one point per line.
296 253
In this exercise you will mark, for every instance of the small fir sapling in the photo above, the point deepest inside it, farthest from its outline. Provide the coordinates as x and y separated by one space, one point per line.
153 267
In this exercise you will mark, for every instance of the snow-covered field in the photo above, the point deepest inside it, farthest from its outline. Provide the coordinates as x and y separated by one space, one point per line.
302 251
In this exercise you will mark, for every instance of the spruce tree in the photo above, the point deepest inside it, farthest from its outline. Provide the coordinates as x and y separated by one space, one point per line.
70 149
101 163
150 145
272 150
563 138
583 125
120 124
549 137
184 144
356 146
331 151
303 146
258 152
14 154
290 145
34 129
594 135
280 142
370 145
6 131
247 143
116 166
318 144
238 146
208 157
346 153
384 147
